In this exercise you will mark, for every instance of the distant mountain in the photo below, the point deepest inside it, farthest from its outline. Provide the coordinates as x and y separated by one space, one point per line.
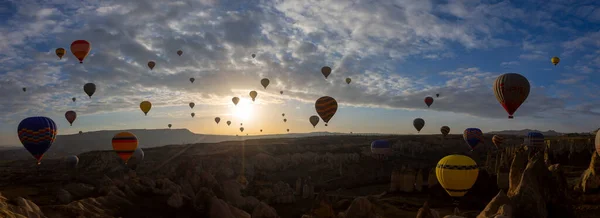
524 132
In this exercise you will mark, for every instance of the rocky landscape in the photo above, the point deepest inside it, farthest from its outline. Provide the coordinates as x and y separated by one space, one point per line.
328 176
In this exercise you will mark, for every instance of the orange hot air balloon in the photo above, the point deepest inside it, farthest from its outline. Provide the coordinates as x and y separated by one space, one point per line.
326 71
511 90
124 143
81 48
326 107
60 52
71 116
151 64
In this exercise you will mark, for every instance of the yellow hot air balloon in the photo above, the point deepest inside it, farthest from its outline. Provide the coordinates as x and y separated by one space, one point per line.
253 95
60 52
457 174
145 106
555 60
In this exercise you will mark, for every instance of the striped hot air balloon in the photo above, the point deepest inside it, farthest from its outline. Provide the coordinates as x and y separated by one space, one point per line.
457 174
124 143
445 130
381 149
326 107
37 135
473 136
497 140
511 90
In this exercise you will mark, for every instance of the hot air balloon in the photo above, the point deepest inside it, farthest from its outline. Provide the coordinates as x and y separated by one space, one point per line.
89 89
136 159
192 105
24 89
60 52
511 90
151 64
193 114
288 130
72 161
314 120
217 120
192 80
73 99
265 82
326 71
281 92
437 95
535 140
169 125
457 174
260 130
428 101
473 136
81 48
145 106
253 55
597 142
348 80
253 95
124 143
241 129
326 107
241 124
418 123
235 100
381 149
445 130
228 123
37 135
80 132
180 52
284 120
71 116
283 115
497 140
555 60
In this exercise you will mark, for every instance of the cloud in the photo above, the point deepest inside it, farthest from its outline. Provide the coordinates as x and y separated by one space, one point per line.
571 79
509 63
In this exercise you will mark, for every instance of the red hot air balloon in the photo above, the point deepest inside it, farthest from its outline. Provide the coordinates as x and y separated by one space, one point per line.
71 116
511 90
428 101
81 48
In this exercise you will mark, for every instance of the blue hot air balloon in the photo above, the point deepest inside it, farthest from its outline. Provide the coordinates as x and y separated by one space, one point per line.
381 148
535 140
473 136
37 135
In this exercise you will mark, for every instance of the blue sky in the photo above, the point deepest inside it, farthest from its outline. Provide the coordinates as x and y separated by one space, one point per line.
396 53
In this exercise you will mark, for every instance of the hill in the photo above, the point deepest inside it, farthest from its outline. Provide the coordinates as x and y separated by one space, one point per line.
524 132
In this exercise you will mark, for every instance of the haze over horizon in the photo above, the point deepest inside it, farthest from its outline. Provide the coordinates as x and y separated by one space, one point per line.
396 53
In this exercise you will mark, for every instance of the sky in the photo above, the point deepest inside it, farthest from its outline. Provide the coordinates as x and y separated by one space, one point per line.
396 53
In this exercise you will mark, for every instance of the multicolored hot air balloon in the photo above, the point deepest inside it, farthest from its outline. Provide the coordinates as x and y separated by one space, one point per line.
60 52
180 52
191 104
555 60
511 90
235 100
71 116
192 80
193 114
473 136
169 125
81 48
228 123
241 129
418 123
497 140
124 143
326 107
145 106
73 99
348 80
535 140
314 120
326 71
89 89
265 82
37 135
217 120
72 161
445 130
381 149
253 95
457 174
151 64
428 101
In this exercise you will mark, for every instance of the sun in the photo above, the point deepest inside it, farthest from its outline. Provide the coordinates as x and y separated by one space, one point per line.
244 110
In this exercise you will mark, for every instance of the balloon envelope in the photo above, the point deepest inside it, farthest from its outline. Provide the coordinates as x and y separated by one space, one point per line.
72 161
124 144
235 100
473 136
136 158
217 120
81 48
428 101
180 52
265 82
381 147
37 135
192 105
192 80
535 139
145 106
253 95
89 89
326 71
445 130
326 107
314 120
151 64
71 116
555 60
457 174
60 52
418 123
511 90
497 140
